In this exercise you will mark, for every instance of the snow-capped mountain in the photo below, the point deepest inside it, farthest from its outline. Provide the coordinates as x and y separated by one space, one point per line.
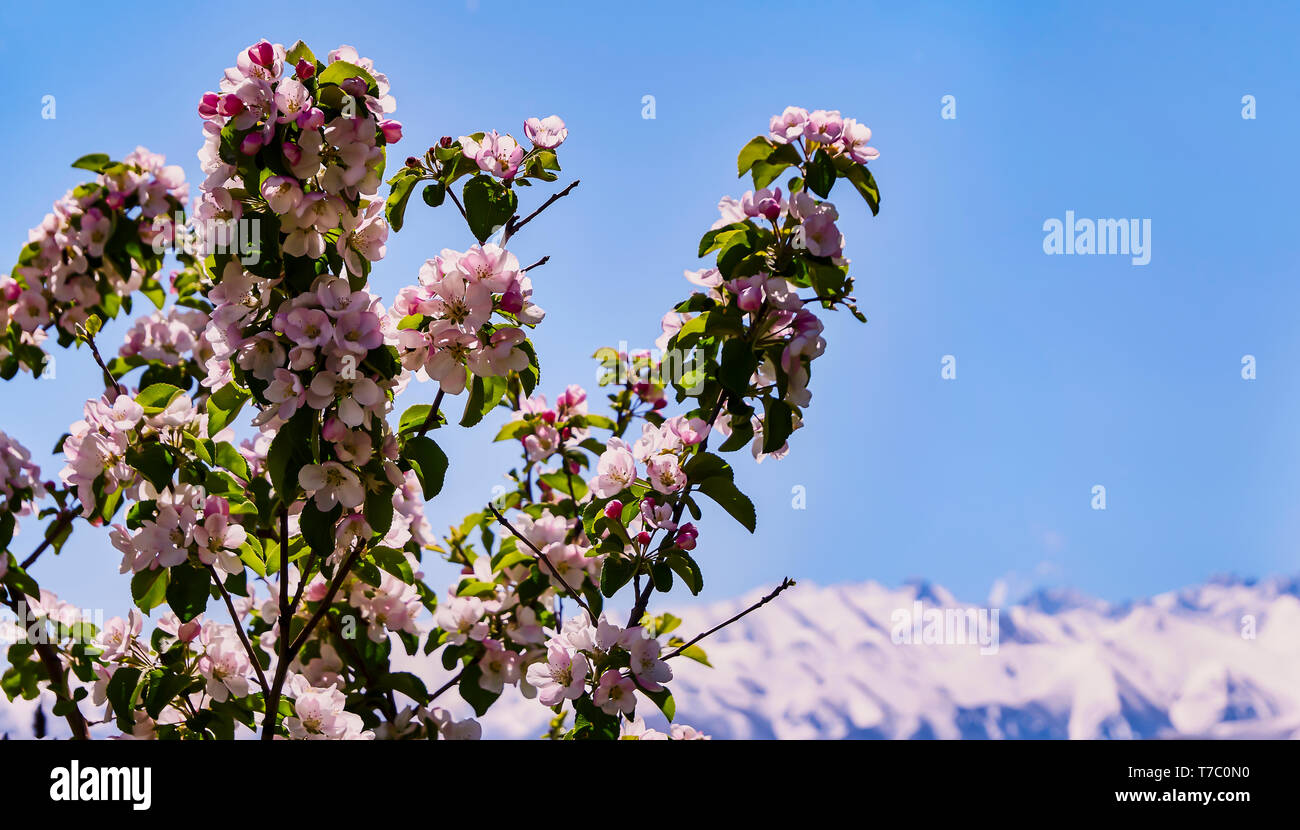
1218 660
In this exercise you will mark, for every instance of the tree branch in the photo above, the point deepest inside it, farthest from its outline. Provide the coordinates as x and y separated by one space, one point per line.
538 264
543 557
787 582
513 227
432 417
243 637
90 341
65 519
54 669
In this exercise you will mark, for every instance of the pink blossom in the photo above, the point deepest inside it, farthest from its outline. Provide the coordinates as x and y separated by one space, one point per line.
665 473
615 693
615 470
789 125
561 677
331 483
548 132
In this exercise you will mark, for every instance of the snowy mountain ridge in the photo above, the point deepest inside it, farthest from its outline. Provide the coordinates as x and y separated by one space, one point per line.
1219 660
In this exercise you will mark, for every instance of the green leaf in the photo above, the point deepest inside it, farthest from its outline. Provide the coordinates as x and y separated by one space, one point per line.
317 528
862 180
488 205
413 419
156 462
615 572
402 186
223 406
94 162
394 561
514 430
187 590
289 452
429 462
737 366
339 71
766 171
298 52
686 567
227 456
724 491
474 694
434 194
121 694
378 510
484 395
778 423
821 174
663 699
560 481
149 588
740 436
155 398
758 149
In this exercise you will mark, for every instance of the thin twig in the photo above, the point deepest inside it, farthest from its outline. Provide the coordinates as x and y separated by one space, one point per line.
65 518
459 206
444 687
785 583
90 341
576 596
243 638
513 227
538 264
432 417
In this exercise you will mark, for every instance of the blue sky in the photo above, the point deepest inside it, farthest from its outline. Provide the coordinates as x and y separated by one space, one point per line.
1071 371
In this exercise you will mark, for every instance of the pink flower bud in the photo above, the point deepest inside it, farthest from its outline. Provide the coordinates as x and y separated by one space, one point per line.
614 510
355 86
251 144
311 119
209 105
643 538
304 70
660 404
230 105
686 536
262 54
392 131
512 302
548 416
292 152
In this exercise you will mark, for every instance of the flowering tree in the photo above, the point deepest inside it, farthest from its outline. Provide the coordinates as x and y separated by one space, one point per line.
310 534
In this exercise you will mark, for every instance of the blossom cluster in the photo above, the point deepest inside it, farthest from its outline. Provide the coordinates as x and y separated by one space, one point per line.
96 243
322 127
443 326
843 136
170 339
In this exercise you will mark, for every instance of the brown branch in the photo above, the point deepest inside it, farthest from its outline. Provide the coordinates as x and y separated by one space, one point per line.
538 264
787 582
65 518
54 669
90 341
444 687
432 417
459 206
243 637
513 227
543 557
